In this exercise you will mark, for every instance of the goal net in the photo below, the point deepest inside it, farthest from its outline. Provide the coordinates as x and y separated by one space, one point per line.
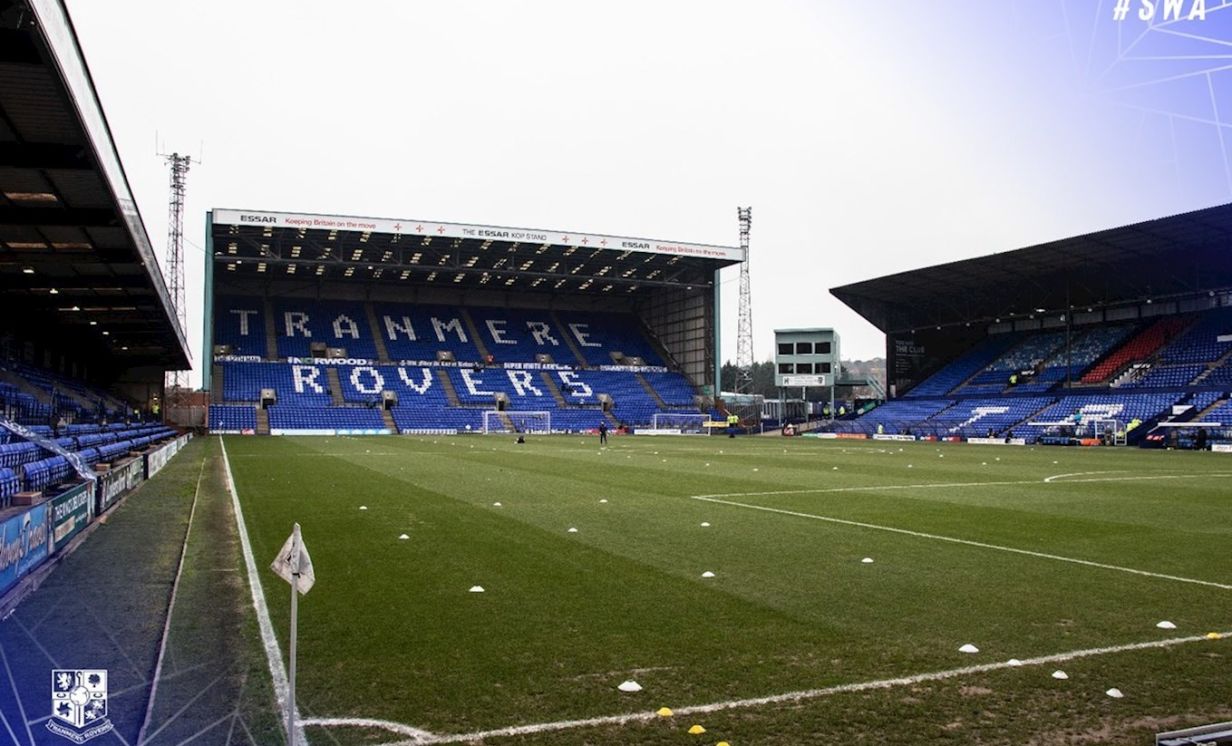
688 423
517 422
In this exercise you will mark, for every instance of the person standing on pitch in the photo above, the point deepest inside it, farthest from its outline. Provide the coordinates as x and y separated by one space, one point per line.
602 433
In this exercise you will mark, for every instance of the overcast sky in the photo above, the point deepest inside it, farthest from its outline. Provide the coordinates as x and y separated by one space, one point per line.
869 138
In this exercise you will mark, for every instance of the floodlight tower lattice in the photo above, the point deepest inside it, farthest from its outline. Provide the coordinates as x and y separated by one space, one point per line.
176 383
744 333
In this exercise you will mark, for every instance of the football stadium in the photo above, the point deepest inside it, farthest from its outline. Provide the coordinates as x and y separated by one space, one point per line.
522 510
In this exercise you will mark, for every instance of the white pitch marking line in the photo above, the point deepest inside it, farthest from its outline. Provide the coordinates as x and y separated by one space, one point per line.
273 653
954 485
797 696
419 735
967 542
1055 477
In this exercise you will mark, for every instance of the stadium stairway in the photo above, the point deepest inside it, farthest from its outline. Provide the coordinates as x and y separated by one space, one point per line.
1222 361
216 384
388 417
658 400
335 386
553 389
569 341
451 394
271 334
263 427
382 352
467 319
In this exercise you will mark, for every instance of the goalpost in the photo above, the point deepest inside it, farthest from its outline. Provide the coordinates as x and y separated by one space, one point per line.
688 423
516 422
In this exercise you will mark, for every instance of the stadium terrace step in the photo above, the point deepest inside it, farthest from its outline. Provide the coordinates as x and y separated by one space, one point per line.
1213 367
271 334
263 427
569 341
382 353
388 417
335 386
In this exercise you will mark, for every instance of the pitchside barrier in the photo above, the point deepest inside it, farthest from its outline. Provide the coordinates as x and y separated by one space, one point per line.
32 535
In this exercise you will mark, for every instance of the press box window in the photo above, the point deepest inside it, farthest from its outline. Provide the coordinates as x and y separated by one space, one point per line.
785 348
787 368
804 367
823 348
804 348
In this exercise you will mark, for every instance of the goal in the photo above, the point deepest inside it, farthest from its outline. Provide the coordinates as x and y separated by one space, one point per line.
516 422
688 423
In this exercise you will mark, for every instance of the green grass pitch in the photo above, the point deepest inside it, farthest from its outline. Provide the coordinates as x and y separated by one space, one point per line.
391 632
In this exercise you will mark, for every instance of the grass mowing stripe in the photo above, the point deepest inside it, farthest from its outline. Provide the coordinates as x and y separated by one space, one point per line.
797 696
273 653
967 542
175 585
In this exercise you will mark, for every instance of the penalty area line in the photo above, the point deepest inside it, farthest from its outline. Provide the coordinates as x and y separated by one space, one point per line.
966 542
422 738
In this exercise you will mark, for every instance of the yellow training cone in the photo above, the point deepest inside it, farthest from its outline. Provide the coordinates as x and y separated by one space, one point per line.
664 712
725 743
697 730
1213 635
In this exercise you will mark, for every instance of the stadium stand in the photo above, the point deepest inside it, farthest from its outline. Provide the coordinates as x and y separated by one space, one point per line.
316 394
1136 349
966 366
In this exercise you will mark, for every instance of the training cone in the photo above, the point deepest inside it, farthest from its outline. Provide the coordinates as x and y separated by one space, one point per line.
705 524
696 730
1060 675
1013 662
629 686
363 507
476 589
707 574
1166 625
573 530
603 500
968 648
1213 635
1114 693
867 560
722 743
403 537
496 505
664 712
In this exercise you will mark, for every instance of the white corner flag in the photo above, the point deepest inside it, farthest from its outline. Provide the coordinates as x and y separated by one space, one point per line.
294 566
293 563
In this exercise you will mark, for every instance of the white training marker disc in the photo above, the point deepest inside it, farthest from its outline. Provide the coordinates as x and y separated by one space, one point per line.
629 686
603 500
1013 662
476 589
1114 693
968 648
707 574
572 530
705 524
1166 625
496 505
1059 674
363 507
867 560
403 537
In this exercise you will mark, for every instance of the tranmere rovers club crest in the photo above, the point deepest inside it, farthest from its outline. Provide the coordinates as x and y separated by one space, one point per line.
79 704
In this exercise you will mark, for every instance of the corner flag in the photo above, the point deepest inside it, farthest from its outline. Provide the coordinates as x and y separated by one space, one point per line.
293 563
294 566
